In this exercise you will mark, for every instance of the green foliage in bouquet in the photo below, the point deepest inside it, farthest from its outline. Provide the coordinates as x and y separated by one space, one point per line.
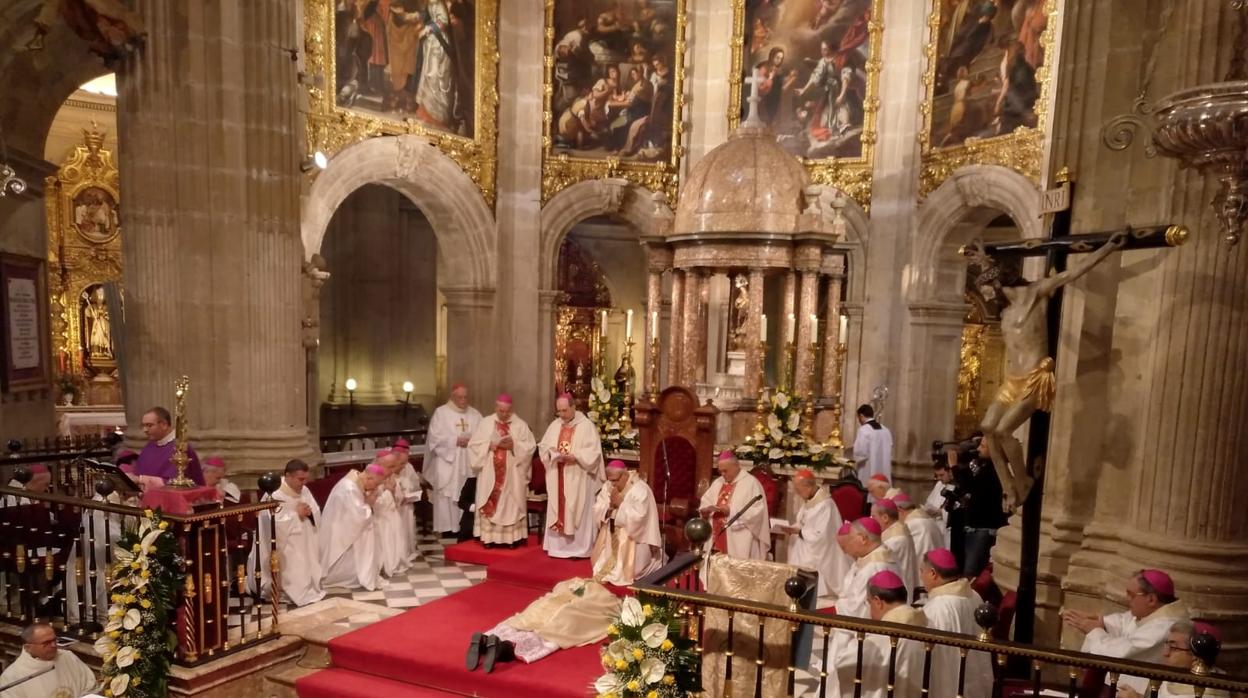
647 655
780 441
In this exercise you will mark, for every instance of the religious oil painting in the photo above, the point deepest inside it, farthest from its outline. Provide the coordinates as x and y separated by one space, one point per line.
616 73
814 66
389 67
95 214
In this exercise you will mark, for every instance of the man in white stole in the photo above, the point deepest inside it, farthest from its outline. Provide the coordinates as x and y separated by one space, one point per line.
44 671
870 558
446 460
886 601
951 605
896 537
500 453
629 544
298 541
749 537
812 537
926 532
389 528
571 451
349 555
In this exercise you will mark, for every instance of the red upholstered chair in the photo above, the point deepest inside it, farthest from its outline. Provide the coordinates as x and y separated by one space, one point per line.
771 495
321 488
536 505
677 498
850 497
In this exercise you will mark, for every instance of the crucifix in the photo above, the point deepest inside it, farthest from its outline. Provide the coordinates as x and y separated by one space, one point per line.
1030 325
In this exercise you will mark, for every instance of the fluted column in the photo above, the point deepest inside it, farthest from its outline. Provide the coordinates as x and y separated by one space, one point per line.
754 368
208 112
831 331
675 352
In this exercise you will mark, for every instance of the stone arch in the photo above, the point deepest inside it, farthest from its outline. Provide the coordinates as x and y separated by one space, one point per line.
640 207
462 222
854 242
954 214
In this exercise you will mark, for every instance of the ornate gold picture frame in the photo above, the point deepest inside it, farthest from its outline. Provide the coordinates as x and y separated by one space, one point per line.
614 93
986 85
404 71
820 71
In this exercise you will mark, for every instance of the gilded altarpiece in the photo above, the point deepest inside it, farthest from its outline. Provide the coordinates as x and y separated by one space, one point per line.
987 84
817 70
981 367
578 323
424 67
84 254
614 93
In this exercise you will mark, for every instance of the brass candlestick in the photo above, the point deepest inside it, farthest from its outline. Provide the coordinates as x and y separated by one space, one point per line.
654 370
838 358
788 377
808 415
180 459
626 419
760 427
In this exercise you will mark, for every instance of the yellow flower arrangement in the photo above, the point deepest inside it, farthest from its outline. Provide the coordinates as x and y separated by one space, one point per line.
649 656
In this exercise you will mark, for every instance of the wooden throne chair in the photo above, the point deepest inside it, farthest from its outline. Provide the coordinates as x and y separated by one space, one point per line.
676 440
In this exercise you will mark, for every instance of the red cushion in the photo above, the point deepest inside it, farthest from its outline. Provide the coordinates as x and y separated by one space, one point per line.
851 501
682 460
537 478
770 491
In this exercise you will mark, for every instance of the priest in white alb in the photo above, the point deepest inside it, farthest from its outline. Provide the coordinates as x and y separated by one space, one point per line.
42 670
951 606
298 540
927 532
500 454
446 459
873 446
349 555
733 492
870 558
812 537
896 537
886 596
571 451
629 545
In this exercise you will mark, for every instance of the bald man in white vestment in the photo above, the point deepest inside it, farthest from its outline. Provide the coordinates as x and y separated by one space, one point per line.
812 536
349 554
42 670
749 537
629 544
500 453
571 451
951 606
926 532
896 537
446 462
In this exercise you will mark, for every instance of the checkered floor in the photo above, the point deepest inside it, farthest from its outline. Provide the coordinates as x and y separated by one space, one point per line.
430 578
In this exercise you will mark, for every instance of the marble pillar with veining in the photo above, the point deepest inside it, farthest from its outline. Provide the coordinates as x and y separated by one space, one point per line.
676 352
808 305
754 357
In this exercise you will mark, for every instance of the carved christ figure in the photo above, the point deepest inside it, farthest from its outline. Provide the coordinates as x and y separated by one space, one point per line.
1029 383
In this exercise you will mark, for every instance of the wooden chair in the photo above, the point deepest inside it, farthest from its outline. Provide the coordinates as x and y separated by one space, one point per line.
535 505
850 497
677 437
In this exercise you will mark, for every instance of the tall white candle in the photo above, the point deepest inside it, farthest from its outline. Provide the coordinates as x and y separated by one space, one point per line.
628 325
654 325
762 332
603 330
844 333
792 326
814 328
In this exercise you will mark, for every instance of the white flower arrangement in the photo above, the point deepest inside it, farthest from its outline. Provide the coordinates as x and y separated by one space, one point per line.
647 657
781 442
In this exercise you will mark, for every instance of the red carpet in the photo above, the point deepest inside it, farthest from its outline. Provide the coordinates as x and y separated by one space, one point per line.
533 568
425 646
338 683
473 553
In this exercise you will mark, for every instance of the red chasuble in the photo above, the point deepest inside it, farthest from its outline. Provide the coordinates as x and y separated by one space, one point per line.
500 472
718 520
565 446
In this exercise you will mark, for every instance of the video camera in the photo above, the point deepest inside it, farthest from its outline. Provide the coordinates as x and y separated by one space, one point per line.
965 450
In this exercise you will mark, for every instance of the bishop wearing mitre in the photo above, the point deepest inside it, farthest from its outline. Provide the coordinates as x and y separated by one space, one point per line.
572 453
878 669
446 462
298 539
862 542
500 454
629 544
733 492
926 532
812 537
896 537
951 605
349 554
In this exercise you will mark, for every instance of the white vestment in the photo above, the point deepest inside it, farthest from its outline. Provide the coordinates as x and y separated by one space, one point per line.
581 482
749 538
508 522
951 607
935 503
298 546
95 603
446 463
873 452
897 539
230 494
629 545
926 532
1126 637
390 529
64 676
815 547
876 651
349 555
853 599
408 494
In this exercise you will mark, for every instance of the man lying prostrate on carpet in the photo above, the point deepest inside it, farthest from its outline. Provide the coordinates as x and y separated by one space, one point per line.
349 548
575 613
629 544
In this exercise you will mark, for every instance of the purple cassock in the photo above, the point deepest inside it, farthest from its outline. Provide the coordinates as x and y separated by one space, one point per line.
157 460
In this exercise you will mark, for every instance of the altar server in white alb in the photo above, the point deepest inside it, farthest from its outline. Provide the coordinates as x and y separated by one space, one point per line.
736 488
870 558
500 453
896 537
446 462
572 453
873 446
812 537
298 543
349 555
926 532
951 605
42 670
886 601
629 544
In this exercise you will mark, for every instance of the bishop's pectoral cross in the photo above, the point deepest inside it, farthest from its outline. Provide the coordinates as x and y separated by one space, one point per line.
1029 337
463 426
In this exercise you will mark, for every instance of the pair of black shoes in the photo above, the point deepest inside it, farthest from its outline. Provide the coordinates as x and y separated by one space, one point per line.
488 650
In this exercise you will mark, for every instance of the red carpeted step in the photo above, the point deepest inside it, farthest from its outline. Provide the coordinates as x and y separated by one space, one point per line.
426 646
537 569
340 683
473 553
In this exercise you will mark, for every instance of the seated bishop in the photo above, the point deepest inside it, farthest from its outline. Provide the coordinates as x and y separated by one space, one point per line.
951 606
862 542
298 536
737 491
500 453
927 532
1178 654
214 476
886 601
896 537
812 537
571 451
629 544
349 555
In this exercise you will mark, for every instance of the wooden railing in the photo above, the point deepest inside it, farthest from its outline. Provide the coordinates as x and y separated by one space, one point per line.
369 440
56 553
1018 670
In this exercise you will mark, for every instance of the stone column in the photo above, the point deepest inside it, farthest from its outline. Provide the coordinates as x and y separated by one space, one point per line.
692 355
675 352
754 368
210 169
788 307
547 309
474 352
804 381
658 260
832 328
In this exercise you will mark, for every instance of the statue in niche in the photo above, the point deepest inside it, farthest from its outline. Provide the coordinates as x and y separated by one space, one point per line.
1029 384
96 324
740 310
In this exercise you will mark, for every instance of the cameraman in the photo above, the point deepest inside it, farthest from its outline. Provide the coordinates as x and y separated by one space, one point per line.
973 503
